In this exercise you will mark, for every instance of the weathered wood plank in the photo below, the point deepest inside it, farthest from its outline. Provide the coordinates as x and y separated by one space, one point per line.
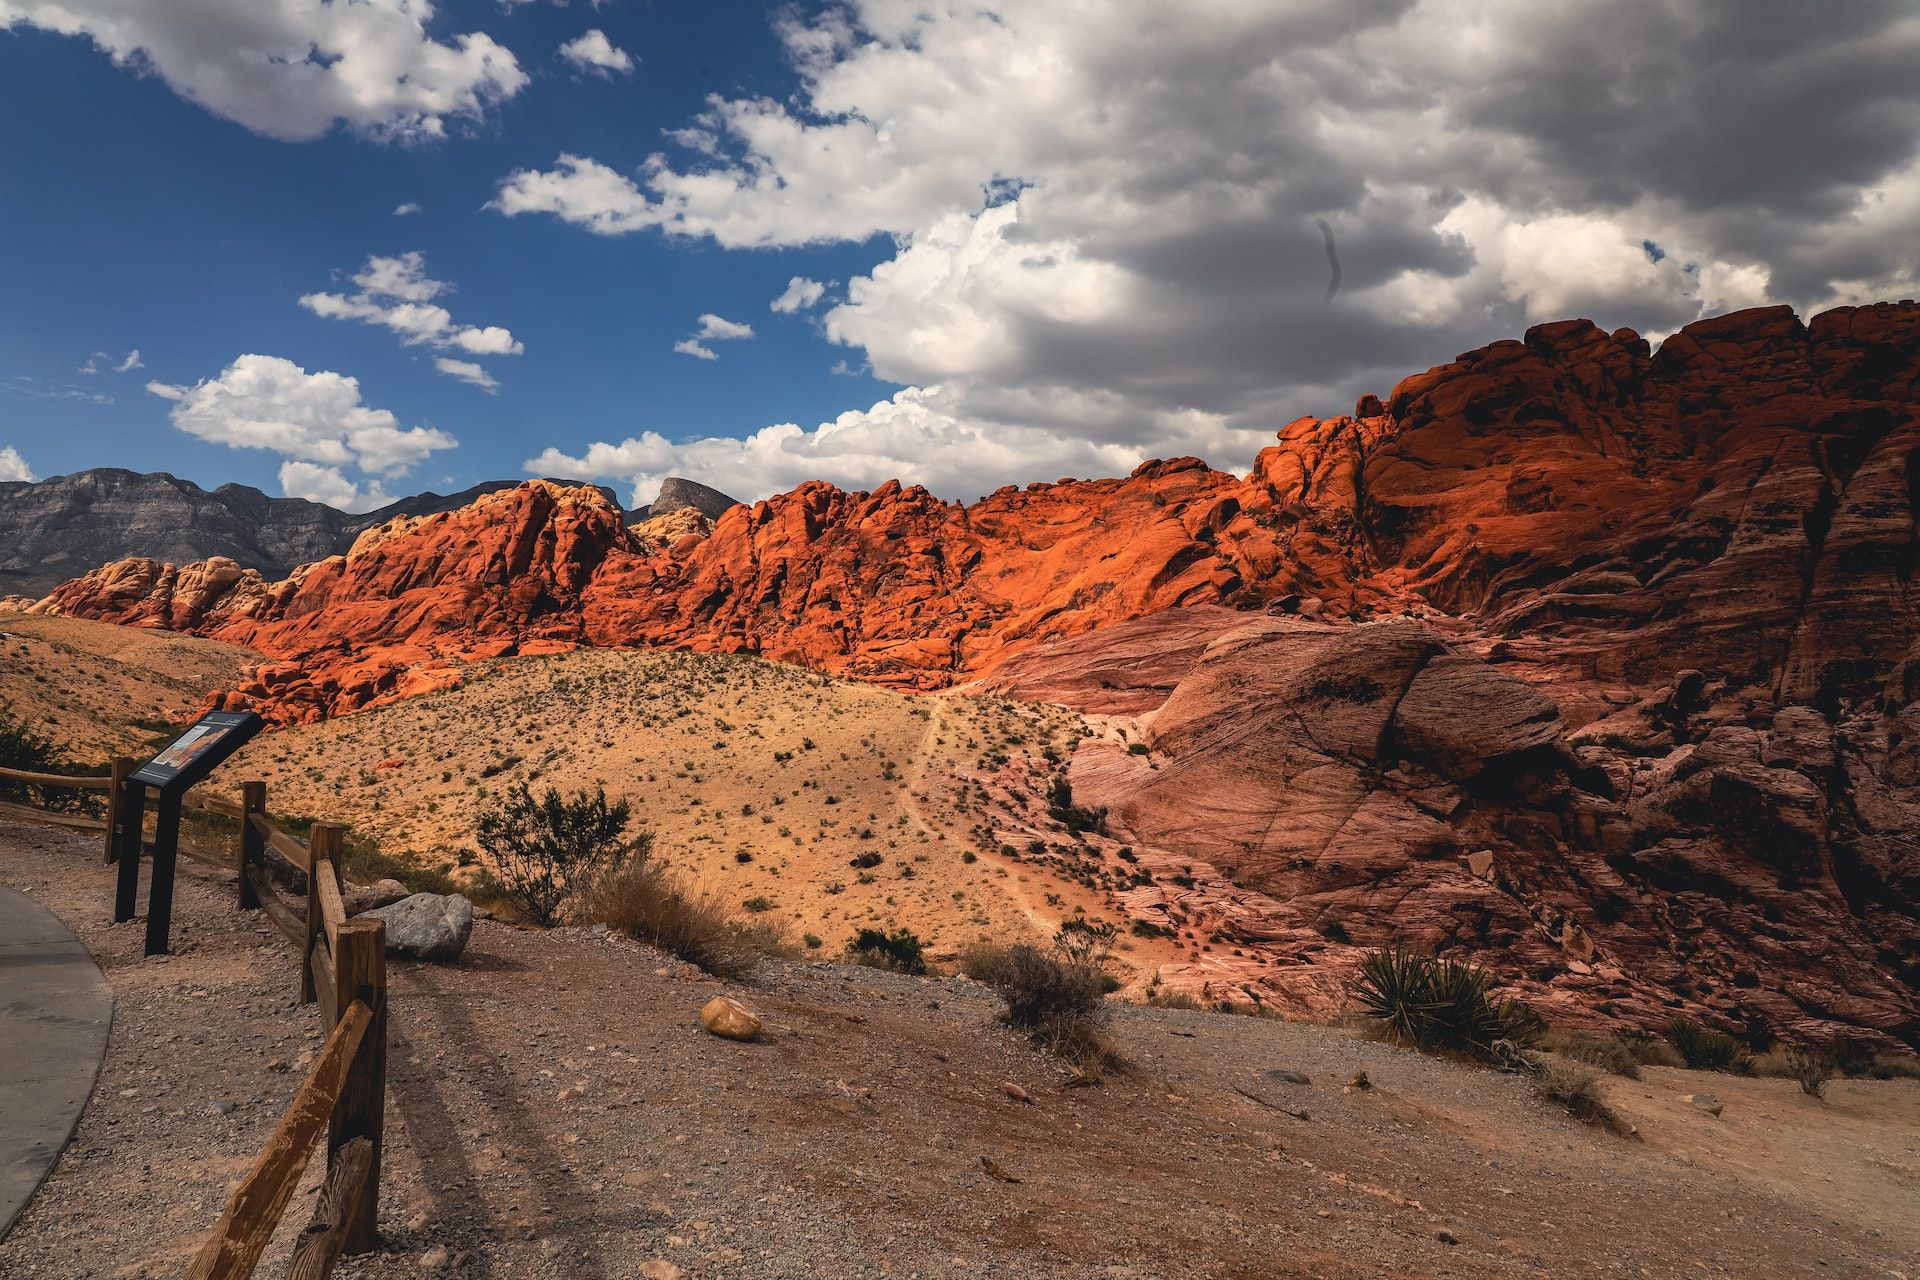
320 971
325 1236
284 918
86 782
360 974
217 804
27 813
241 1235
333 909
280 842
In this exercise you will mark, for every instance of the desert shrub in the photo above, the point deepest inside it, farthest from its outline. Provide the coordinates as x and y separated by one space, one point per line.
1439 1004
1057 994
1704 1049
1161 998
1812 1068
546 849
982 961
1075 818
1576 1087
1608 1053
900 951
646 900
1649 1050
23 748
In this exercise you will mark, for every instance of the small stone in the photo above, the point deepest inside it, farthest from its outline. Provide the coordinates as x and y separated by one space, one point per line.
435 1259
1705 1102
727 1017
1445 1236
1287 1075
224 1107
660 1269
427 926
1359 1081
1015 1092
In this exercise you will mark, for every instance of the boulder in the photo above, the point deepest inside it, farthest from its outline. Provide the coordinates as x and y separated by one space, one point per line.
361 898
427 926
728 1018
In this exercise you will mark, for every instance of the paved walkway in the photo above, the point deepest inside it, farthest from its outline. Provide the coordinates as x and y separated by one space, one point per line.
55 1012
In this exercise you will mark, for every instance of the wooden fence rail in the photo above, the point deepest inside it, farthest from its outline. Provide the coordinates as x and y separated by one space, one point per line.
343 968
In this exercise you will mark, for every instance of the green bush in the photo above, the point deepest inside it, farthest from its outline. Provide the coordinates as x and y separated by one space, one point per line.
900 951
1439 1004
1703 1049
546 849
22 748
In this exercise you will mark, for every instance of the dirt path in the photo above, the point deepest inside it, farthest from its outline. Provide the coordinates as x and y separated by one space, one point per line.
556 1111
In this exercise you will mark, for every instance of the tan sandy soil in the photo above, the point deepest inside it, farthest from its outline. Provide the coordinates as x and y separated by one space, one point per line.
90 685
724 757
556 1111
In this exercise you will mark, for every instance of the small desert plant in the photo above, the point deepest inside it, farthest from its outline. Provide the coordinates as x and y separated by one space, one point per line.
545 849
1704 1049
900 951
1576 1087
644 899
1433 1003
1161 998
1649 1050
1075 818
982 961
1812 1068
1608 1053
1057 994
22 748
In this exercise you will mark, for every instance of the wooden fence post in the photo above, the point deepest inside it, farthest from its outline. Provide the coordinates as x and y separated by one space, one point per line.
360 973
122 766
251 844
323 844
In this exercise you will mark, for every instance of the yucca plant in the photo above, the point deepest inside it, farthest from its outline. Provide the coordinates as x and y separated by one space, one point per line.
1703 1049
1439 1004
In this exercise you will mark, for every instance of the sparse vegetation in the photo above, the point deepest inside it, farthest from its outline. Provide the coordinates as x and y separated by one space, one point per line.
1704 1049
1608 1053
1812 1068
1576 1087
644 899
1057 994
21 747
547 849
900 951
1439 1004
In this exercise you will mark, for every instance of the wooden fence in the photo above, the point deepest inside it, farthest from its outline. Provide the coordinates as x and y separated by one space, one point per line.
343 969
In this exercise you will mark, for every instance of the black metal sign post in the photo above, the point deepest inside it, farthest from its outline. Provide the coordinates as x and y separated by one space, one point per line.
186 760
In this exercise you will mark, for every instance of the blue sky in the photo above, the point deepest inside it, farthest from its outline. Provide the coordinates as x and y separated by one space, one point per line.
1056 238
142 222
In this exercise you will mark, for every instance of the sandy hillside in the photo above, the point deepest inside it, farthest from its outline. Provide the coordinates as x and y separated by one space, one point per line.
772 784
100 689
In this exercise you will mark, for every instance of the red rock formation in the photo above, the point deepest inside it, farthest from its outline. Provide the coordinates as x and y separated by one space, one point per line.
1646 728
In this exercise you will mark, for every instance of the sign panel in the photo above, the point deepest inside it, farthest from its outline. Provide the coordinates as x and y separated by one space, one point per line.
193 755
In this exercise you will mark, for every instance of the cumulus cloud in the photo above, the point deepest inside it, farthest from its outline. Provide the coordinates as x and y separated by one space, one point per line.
801 294
398 294
404 210
467 371
13 466
595 53
1105 215
719 328
292 69
316 420
695 348
327 485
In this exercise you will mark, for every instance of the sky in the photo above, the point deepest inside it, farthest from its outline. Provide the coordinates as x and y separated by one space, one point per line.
353 251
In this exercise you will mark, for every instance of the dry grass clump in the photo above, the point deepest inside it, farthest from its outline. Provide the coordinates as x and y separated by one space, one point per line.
1162 998
1575 1086
1057 994
1608 1053
646 900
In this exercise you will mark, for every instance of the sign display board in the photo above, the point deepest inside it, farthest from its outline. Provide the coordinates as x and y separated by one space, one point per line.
186 760
194 754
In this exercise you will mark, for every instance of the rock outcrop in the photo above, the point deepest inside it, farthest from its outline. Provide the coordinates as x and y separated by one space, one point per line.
1597 661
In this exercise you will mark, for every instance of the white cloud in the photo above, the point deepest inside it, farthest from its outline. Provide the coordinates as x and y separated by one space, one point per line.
467 371
695 348
291 69
719 329
799 295
594 52
265 402
396 293
102 362
1104 214
13 466
329 486
403 210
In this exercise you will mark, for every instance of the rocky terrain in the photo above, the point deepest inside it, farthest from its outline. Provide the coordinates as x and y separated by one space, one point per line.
1593 660
58 528
555 1111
